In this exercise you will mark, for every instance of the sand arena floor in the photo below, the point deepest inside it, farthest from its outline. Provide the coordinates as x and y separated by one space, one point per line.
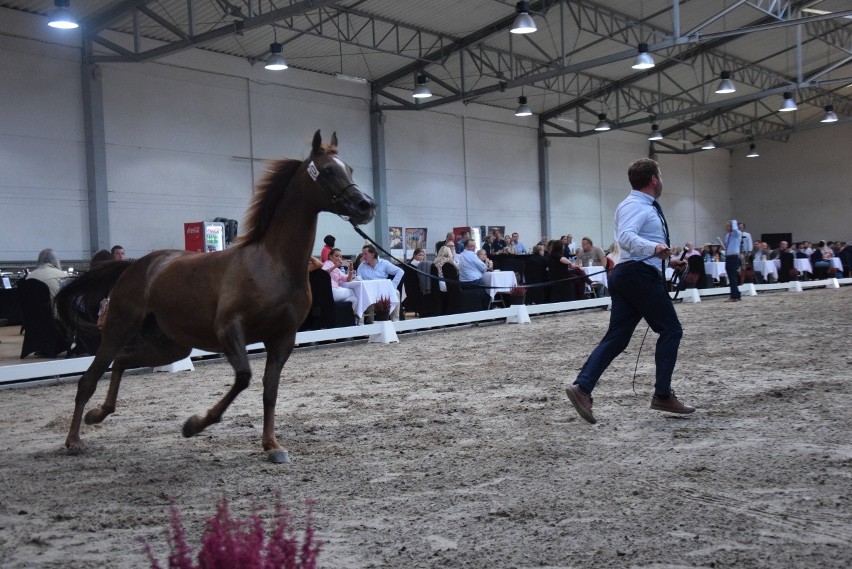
459 448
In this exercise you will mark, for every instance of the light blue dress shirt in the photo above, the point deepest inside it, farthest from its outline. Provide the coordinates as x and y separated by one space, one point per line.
733 240
382 270
639 229
471 267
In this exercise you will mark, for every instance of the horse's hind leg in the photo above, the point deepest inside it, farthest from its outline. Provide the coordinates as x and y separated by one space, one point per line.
85 389
235 349
147 352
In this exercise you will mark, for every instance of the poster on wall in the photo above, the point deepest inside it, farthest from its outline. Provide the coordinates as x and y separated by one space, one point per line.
415 237
395 241
460 235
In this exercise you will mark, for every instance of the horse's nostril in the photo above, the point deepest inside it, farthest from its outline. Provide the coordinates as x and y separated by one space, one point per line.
365 205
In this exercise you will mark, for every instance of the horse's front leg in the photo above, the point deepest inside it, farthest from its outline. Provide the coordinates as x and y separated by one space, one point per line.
276 357
233 339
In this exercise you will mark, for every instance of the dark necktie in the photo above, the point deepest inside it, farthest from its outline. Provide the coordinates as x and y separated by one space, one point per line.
663 219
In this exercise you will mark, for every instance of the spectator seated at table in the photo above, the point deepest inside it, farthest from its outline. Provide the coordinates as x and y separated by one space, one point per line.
417 257
445 255
716 255
613 255
776 253
821 261
49 271
333 267
589 255
373 268
689 250
569 281
471 267
483 256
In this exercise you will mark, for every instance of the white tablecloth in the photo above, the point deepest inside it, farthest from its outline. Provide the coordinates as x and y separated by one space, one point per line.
368 292
801 265
505 280
835 262
715 269
766 268
596 274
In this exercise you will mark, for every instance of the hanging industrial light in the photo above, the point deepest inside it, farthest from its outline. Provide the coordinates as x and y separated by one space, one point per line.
276 60
421 91
708 143
523 109
789 104
752 152
602 123
830 115
523 24
644 60
726 85
655 133
62 17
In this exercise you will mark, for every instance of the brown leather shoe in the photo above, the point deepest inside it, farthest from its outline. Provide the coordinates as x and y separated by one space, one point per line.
672 405
582 402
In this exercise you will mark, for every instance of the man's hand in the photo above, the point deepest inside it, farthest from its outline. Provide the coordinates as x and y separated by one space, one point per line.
677 264
662 251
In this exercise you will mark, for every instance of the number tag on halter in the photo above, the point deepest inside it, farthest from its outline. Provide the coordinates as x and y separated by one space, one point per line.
312 171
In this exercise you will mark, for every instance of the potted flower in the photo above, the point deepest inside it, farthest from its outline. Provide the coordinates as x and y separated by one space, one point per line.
517 295
382 308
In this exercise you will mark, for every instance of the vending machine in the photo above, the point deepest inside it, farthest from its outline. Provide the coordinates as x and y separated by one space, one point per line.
204 236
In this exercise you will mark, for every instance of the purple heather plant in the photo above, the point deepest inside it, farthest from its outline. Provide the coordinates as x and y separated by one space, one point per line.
228 543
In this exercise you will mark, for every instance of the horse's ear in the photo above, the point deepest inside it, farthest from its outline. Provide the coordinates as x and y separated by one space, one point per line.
317 144
334 139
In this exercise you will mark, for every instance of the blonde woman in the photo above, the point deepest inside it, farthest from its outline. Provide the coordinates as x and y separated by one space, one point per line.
484 258
445 255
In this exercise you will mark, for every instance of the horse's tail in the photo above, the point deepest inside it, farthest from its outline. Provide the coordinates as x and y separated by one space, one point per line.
77 302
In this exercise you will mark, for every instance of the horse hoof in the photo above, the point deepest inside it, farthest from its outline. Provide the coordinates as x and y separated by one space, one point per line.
74 448
193 426
93 417
278 456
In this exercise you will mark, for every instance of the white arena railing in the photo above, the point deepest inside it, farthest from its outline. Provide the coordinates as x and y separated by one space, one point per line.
386 332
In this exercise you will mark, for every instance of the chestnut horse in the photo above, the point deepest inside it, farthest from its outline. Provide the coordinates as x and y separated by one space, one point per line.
170 301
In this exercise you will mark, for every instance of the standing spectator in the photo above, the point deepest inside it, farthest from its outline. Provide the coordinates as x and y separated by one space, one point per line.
329 241
118 252
733 241
569 247
746 244
638 291
519 247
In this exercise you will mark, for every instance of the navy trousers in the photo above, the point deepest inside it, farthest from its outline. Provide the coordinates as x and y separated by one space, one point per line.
732 268
638 291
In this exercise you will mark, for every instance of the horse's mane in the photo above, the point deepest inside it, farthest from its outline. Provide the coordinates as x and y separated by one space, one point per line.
268 194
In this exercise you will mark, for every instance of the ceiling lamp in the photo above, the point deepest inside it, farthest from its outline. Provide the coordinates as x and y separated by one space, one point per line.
523 110
830 115
276 60
789 104
655 133
752 152
523 24
643 58
62 17
602 123
726 85
708 143
421 91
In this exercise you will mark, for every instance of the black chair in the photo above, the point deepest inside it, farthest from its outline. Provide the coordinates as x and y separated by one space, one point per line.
325 311
561 290
787 272
463 300
438 300
415 301
535 273
43 335
846 260
514 264
819 272
696 277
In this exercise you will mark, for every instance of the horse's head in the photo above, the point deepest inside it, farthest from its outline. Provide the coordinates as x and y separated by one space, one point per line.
334 176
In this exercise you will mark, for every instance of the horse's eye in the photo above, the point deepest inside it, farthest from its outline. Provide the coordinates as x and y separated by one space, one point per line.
328 170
